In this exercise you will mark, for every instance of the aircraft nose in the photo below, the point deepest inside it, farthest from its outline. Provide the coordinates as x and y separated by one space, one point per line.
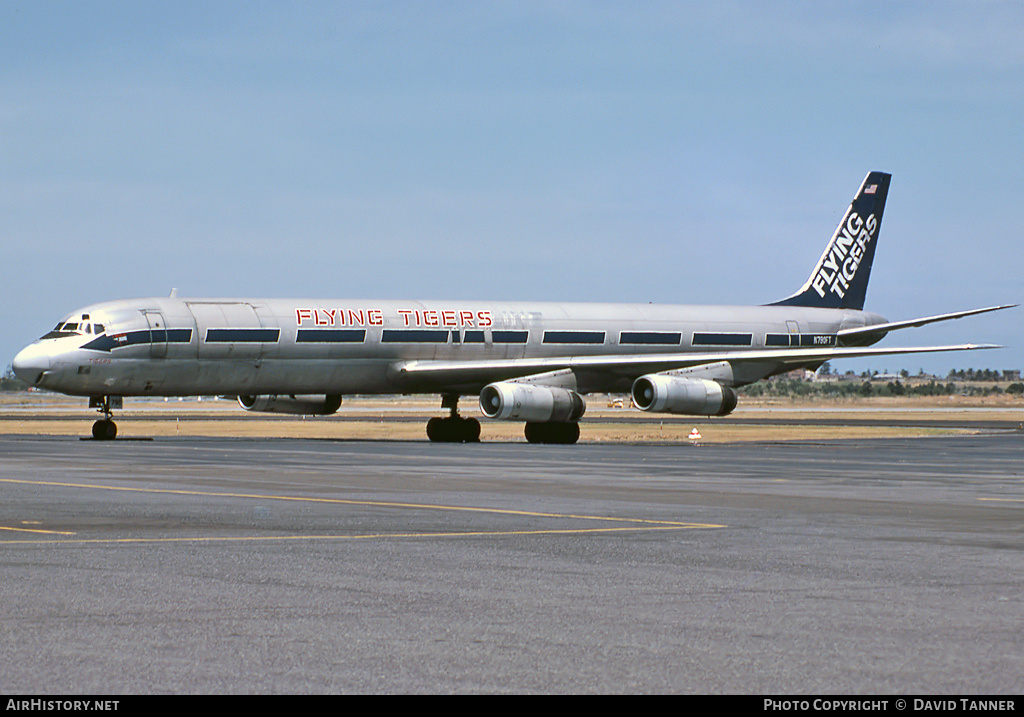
31 363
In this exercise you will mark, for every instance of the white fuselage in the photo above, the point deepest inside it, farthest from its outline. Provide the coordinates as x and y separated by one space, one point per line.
173 346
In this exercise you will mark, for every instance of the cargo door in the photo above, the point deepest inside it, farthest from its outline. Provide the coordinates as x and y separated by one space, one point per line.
232 330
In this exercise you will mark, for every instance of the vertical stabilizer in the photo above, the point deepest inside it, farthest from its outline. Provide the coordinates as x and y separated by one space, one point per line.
840 278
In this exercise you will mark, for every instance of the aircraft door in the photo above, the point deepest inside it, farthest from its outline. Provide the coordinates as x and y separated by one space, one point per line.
794 333
268 321
157 333
233 329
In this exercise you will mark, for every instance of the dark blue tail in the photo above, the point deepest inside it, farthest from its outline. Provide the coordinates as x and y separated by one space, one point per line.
840 278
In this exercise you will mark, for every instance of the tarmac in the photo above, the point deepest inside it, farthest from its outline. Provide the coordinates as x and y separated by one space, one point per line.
212 565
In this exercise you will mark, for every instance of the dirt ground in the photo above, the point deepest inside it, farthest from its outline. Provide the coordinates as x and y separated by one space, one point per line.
404 418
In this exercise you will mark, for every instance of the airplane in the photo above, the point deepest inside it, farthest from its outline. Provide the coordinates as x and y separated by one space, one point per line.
529 362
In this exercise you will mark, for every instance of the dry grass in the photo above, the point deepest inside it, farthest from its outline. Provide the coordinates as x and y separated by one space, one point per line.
404 418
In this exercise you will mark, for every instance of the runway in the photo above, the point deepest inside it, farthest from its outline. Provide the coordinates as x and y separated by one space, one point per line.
191 565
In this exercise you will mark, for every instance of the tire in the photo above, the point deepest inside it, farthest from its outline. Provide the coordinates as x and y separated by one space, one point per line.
435 429
105 430
558 433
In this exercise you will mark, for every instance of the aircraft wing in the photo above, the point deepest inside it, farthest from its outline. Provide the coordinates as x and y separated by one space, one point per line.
845 334
473 375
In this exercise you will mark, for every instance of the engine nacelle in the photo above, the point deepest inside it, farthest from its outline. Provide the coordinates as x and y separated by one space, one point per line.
314 405
659 393
511 401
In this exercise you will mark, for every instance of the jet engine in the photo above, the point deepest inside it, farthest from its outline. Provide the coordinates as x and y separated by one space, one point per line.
659 393
512 401
313 405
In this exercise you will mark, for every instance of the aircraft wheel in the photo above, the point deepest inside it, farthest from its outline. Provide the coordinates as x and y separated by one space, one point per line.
435 429
471 430
563 433
105 430
534 432
453 429
570 433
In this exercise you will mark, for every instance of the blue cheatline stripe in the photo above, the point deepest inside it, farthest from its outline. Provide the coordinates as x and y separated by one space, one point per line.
133 338
242 336
574 337
510 337
330 336
724 339
414 336
664 338
776 340
171 336
476 336
440 336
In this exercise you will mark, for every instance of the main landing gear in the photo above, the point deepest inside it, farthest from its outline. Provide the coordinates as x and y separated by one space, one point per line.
454 428
105 429
565 433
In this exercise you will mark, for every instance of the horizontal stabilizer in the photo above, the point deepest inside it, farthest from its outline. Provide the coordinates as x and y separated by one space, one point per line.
893 325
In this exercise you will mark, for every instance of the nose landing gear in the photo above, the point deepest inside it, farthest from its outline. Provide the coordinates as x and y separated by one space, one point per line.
105 429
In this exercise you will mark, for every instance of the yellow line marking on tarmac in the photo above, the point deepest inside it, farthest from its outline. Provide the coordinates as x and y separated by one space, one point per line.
35 530
369 536
1004 500
636 524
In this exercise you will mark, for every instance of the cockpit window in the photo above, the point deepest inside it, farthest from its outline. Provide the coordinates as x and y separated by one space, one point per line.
73 328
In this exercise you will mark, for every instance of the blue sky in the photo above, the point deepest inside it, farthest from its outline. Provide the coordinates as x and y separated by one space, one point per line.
665 152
